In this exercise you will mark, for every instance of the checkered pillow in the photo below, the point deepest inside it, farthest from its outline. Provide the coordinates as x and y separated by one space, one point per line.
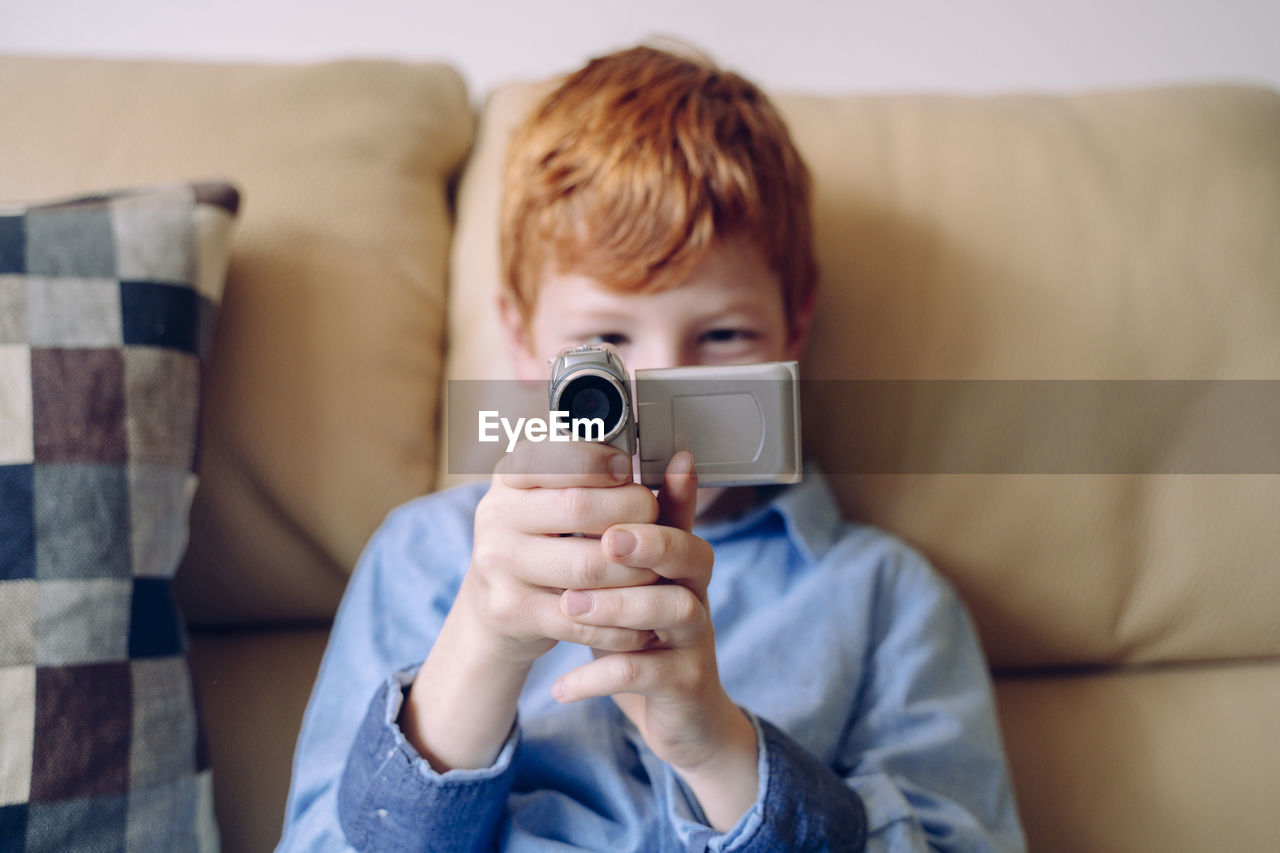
106 305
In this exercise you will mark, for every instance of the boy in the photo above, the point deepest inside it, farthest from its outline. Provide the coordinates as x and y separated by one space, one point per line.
491 682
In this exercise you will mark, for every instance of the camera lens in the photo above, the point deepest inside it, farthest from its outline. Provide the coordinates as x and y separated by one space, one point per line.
589 403
594 397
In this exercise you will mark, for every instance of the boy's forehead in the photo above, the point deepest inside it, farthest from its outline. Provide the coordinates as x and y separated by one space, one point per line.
730 277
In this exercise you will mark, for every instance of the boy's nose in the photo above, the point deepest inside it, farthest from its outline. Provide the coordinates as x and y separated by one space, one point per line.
657 354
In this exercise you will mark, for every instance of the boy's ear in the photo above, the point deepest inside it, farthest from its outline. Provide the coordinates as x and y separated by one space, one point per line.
519 341
800 323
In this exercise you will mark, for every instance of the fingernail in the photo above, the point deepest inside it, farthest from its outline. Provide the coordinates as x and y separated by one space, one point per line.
620 467
622 542
557 690
576 602
682 463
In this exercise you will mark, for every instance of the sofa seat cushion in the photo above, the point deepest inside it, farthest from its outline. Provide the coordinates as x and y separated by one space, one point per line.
253 685
1155 758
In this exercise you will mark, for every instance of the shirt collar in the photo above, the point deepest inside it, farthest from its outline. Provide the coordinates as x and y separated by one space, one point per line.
808 510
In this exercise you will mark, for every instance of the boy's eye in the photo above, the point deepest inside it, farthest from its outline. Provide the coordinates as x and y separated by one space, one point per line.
613 339
727 336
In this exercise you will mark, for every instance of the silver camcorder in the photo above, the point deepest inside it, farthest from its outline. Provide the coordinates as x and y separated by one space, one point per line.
740 422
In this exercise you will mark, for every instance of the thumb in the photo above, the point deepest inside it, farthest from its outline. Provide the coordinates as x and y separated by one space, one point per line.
678 498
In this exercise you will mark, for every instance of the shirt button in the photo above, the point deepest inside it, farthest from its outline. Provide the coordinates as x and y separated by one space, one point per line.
381 814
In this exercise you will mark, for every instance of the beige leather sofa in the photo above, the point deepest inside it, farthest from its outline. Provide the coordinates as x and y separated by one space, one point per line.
1030 307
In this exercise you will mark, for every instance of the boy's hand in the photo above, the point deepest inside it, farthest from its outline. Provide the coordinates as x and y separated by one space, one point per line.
523 559
670 690
507 612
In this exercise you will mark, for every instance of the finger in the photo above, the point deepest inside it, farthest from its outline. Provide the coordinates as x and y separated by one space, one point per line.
572 510
603 637
538 612
678 498
561 562
656 672
669 551
561 465
667 608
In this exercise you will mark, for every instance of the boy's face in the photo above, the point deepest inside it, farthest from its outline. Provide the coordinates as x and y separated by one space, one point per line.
728 311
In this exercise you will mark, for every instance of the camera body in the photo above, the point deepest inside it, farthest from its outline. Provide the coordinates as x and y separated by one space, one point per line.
740 422
591 382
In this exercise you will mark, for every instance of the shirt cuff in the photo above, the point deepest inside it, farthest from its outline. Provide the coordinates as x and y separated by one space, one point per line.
391 796
801 804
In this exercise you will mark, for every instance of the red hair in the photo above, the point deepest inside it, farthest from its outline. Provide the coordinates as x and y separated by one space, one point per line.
636 164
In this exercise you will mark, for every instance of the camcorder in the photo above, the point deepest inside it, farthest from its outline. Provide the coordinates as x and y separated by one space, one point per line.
740 422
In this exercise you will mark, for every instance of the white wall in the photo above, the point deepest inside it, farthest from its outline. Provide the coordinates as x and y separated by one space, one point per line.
827 45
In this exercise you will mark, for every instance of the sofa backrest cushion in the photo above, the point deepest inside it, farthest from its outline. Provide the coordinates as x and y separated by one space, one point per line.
1116 255
321 393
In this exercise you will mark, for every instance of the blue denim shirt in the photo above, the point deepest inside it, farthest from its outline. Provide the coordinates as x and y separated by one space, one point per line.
857 664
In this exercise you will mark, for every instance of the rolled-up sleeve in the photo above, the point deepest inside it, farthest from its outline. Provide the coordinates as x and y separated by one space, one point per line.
392 799
392 610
